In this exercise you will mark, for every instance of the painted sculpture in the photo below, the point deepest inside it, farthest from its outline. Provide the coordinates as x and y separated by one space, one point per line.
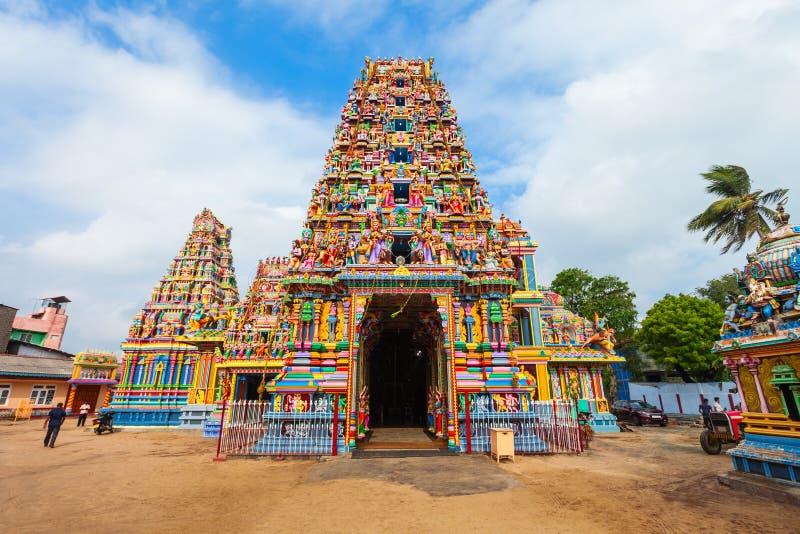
400 282
759 344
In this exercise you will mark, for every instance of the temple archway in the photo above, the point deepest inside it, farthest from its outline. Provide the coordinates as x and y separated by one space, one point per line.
401 363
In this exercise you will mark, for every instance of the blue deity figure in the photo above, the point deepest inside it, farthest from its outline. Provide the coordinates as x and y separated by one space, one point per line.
469 323
332 319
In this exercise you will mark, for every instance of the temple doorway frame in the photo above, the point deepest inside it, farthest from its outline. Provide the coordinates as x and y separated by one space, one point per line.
443 301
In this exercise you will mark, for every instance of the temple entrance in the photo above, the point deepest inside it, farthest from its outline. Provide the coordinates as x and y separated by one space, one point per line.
402 365
398 376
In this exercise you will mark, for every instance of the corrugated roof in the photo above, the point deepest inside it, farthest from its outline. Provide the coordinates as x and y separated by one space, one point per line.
13 365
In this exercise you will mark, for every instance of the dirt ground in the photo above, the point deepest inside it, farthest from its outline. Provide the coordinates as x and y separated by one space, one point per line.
652 480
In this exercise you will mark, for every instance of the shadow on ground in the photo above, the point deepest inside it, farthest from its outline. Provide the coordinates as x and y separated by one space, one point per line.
439 477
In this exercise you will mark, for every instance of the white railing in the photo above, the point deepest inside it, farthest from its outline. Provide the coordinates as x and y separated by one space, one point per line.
540 427
249 428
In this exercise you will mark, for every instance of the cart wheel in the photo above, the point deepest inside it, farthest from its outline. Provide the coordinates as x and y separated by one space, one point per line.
97 430
709 444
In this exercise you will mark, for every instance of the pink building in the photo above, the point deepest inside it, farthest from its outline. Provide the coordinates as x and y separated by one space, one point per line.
44 327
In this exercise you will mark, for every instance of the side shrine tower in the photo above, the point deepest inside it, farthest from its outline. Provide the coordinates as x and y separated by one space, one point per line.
195 296
405 303
760 345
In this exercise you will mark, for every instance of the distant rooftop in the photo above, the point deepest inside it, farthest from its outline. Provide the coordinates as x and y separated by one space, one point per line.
34 366
58 300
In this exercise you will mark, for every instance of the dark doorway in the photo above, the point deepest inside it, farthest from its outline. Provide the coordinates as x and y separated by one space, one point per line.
400 193
401 155
86 393
247 386
401 363
398 374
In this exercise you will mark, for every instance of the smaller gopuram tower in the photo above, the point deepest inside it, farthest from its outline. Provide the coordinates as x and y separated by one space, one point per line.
252 353
197 294
760 345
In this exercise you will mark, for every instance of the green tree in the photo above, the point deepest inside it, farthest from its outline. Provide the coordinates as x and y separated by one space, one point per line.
607 296
739 213
717 289
679 332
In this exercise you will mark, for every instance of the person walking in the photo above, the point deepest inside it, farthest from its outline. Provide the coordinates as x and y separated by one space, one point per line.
53 423
705 410
84 411
717 406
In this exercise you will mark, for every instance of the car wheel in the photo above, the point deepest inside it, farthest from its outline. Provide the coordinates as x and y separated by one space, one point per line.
636 420
710 445
664 423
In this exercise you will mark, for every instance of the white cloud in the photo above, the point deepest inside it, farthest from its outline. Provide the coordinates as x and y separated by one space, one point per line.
603 113
608 113
343 17
135 138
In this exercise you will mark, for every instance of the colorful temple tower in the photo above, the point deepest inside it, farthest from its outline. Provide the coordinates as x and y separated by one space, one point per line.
403 302
760 344
197 293
250 354
403 293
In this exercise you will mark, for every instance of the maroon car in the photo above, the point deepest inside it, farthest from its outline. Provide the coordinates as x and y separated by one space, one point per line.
639 413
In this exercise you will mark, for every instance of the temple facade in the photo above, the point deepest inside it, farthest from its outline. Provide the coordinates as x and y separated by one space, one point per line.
197 294
404 301
760 344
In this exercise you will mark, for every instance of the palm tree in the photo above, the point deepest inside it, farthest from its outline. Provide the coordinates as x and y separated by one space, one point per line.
740 212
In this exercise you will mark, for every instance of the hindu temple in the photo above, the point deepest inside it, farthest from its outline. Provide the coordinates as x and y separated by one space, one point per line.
760 344
405 300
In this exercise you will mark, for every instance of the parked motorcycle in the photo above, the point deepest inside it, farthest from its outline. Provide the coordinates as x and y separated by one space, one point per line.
104 423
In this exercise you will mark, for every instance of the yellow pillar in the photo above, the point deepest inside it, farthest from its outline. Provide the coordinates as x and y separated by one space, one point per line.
543 382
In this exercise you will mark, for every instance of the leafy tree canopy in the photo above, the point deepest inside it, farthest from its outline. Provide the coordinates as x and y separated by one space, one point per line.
607 296
739 213
717 289
679 332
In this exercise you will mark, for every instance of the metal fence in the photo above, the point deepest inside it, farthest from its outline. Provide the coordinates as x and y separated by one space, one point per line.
306 424
540 427
249 428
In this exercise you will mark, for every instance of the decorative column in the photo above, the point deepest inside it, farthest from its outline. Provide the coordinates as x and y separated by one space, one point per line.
752 365
733 367
346 320
71 397
171 372
317 320
457 319
180 368
485 319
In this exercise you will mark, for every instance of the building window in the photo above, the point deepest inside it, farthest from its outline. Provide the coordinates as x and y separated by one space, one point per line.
5 393
43 395
400 101
26 337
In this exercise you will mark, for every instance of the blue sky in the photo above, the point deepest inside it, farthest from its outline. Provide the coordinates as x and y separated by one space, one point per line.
589 121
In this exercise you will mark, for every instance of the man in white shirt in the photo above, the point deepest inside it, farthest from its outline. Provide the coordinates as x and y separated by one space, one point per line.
84 411
717 406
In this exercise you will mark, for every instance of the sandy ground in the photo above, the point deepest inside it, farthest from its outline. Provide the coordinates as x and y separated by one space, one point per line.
652 480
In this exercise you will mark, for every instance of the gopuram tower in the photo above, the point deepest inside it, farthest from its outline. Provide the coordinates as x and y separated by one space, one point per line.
403 303
196 295
403 292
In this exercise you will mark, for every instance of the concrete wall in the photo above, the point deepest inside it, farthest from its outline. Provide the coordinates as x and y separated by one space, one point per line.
21 389
666 395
